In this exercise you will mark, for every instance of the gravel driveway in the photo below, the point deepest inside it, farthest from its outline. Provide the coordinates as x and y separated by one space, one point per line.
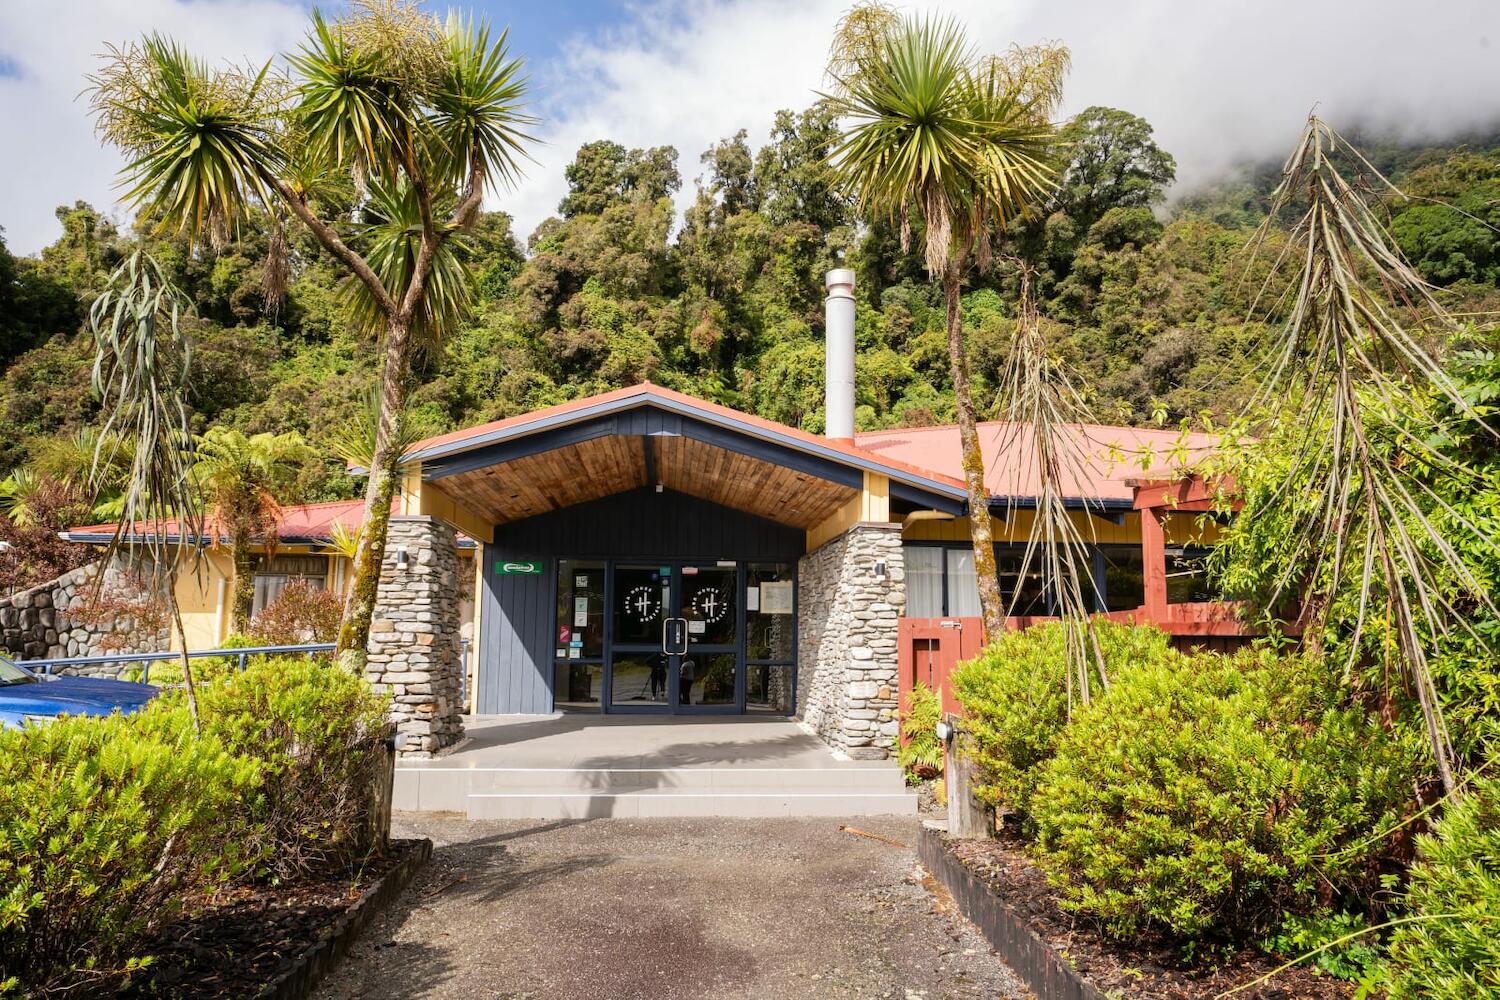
671 908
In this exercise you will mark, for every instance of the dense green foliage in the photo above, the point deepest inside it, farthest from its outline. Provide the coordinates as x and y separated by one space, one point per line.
1208 796
111 827
314 731
1016 701
921 753
1451 951
727 305
106 827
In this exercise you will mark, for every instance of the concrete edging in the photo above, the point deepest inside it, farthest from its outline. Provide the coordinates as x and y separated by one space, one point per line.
312 965
1048 973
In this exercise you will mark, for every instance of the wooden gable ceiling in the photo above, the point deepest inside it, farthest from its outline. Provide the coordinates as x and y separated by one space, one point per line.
603 466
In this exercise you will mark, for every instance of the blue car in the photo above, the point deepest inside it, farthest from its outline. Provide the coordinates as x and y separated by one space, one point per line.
25 697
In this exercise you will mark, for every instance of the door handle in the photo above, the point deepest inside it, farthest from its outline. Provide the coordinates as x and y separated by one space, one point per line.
674 636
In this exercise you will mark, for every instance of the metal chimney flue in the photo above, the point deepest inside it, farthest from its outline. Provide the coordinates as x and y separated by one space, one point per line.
838 375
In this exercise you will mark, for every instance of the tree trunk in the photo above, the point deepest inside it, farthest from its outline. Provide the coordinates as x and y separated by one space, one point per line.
244 584
359 606
991 604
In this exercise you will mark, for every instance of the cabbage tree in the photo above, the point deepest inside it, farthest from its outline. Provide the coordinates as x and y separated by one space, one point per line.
422 116
931 126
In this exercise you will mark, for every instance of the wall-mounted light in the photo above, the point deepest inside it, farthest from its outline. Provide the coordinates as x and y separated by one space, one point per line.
401 556
880 569
660 487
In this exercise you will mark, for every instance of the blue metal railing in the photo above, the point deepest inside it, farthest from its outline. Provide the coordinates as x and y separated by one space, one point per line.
242 654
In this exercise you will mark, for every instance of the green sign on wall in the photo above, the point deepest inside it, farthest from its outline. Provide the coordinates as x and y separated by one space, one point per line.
512 567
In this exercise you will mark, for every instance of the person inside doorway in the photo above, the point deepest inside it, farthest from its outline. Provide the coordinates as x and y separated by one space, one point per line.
685 675
658 677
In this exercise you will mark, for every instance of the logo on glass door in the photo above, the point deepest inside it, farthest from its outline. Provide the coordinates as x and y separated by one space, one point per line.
710 605
642 603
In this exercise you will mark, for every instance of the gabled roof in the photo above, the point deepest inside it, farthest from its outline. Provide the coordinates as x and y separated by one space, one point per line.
928 457
301 524
646 394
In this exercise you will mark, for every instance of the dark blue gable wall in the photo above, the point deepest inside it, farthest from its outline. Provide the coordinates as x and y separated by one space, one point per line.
516 641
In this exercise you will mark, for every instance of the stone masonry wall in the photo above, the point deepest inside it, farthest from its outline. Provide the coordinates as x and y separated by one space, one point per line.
42 623
847 673
414 635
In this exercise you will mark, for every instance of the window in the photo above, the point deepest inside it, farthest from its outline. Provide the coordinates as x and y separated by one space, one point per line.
963 585
282 570
1187 579
770 638
578 666
924 581
1023 594
1124 577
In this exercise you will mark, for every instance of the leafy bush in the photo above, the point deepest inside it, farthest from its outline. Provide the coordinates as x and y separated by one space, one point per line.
1453 952
104 825
1206 795
921 753
1357 958
315 731
301 613
1015 700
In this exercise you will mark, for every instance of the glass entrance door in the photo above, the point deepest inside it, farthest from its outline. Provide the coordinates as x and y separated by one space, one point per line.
675 638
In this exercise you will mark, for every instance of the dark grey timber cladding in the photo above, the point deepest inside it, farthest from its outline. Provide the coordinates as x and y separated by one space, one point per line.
517 642
515 657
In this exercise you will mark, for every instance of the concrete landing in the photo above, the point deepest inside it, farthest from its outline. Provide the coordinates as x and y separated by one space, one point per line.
581 766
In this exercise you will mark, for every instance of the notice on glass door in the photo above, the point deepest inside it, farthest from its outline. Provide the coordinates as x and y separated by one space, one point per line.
752 598
580 612
776 597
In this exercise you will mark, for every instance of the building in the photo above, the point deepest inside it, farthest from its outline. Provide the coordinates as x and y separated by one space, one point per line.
645 551
306 551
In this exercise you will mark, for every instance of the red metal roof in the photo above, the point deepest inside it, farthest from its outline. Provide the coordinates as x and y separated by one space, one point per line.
308 522
1107 456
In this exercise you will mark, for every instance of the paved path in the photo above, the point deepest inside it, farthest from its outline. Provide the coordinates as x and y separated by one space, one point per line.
671 909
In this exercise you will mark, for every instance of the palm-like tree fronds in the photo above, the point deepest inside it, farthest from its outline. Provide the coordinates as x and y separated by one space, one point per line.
141 376
1040 403
18 493
477 118
201 141
394 238
1356 506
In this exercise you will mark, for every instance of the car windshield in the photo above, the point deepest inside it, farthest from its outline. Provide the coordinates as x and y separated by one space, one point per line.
12 674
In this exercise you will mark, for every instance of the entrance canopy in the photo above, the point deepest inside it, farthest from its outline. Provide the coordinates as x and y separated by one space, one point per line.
648 436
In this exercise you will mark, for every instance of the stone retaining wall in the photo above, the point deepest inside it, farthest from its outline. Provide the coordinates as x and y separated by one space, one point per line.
42 623
846 639
414 635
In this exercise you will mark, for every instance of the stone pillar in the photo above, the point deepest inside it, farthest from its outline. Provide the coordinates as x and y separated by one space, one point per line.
846 639
414 635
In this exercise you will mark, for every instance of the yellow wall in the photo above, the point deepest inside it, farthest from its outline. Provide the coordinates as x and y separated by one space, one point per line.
205 597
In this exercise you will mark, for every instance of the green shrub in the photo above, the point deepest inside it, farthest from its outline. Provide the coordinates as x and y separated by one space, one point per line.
1457 872
105 824
1207 795
315 731
921 753
1358 958
1015 701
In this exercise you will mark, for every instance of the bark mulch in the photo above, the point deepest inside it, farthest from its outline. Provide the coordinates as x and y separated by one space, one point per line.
1151 969
247 936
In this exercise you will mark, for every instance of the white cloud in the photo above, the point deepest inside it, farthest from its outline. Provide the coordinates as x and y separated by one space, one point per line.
1220 79
51 155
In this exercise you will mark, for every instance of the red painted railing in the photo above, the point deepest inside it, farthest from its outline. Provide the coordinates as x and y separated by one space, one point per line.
928 649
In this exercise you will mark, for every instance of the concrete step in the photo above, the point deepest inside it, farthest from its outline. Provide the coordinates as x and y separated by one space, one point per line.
861 790
628 779
522 805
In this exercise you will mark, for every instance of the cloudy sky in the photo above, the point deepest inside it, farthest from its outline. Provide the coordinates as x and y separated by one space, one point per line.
1221 80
